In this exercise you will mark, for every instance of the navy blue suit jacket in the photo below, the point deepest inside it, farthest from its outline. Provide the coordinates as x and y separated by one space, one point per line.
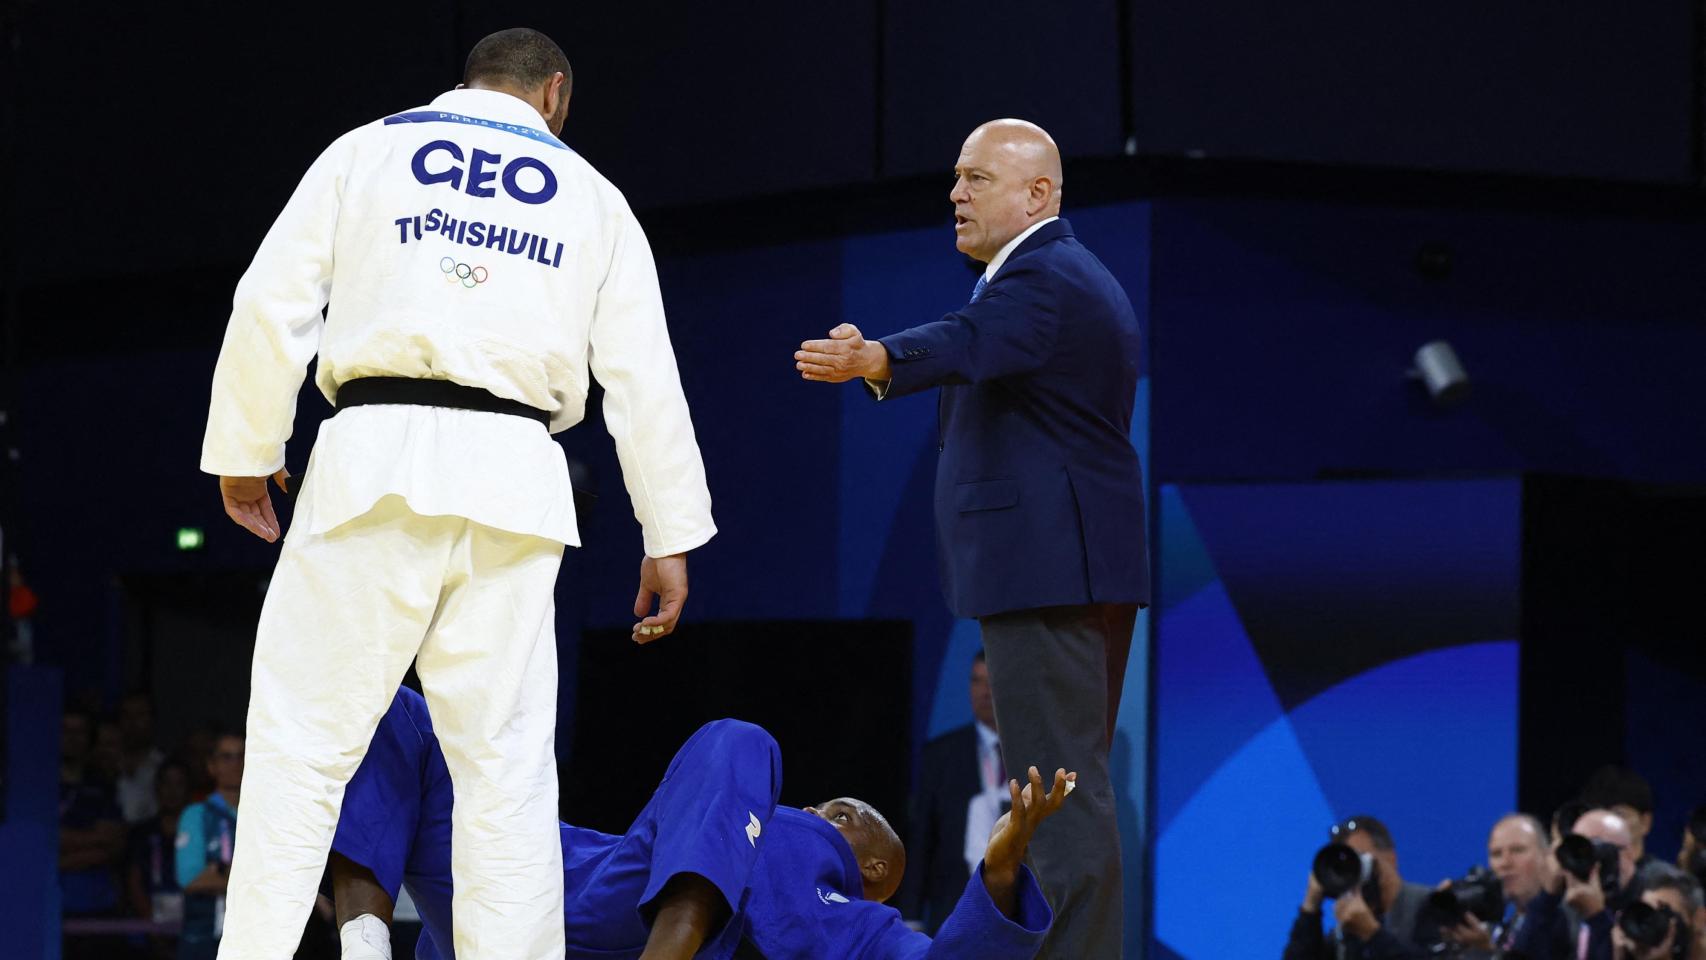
1039 494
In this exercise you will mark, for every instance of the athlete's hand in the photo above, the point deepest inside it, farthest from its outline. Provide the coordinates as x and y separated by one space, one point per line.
1012 836
663 579
249 505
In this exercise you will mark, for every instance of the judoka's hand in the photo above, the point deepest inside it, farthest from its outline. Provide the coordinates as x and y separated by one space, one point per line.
249 505
663 579
844 356
1013 833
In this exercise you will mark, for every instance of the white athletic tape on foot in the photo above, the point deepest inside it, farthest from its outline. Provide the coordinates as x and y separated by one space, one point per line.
365 938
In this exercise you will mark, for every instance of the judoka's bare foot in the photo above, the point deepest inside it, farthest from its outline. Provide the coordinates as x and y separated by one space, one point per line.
690 909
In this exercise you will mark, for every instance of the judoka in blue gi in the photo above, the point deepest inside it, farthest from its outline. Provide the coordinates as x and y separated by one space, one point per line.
712 868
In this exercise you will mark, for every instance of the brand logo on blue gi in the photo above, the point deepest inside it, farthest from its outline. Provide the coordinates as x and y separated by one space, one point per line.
462 273
831 896
753 829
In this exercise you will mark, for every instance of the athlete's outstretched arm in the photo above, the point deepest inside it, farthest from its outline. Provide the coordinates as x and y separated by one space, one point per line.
1013 832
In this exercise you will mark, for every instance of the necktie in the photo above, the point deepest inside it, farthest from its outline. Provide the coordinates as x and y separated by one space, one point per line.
977 291
993 777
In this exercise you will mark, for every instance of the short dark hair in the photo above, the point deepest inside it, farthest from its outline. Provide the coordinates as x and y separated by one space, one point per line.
1363 823
1612 786
1663 876
978 656
517 57
1564 818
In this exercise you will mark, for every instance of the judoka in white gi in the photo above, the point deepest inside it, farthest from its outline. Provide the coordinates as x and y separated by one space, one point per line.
475 268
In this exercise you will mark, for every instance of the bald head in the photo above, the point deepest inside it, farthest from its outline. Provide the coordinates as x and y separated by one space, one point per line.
1516 852
1007 178
876 847
1031 148
1604 826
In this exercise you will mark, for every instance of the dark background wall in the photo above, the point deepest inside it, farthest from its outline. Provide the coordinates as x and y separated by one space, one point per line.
1296 196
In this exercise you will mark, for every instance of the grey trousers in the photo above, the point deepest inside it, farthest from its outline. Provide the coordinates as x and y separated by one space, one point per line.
1057 673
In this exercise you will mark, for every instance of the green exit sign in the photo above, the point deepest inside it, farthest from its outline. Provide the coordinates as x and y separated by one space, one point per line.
191 538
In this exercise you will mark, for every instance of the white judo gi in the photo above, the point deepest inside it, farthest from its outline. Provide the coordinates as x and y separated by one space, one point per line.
462 242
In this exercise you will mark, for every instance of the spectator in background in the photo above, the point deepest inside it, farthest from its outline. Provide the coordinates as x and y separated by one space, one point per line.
91 832
195 754
1691 858
1520 856
139 758
1585 898
961 792
1627 794
151 871
206 832
1566 816
106 756
1396 927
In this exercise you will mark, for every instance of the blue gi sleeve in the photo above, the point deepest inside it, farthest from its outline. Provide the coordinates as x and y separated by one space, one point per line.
1011 329
189 858
382 803
976 930
708 815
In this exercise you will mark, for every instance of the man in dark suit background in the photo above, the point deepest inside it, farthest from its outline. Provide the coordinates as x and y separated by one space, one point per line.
1039 495
960 793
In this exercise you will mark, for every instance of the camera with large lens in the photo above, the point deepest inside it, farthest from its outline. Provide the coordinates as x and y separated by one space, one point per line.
1339 869
1478 892
1647 926
1578 855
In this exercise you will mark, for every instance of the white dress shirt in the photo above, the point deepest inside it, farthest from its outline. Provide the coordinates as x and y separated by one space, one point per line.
459 241
984 808
1011 245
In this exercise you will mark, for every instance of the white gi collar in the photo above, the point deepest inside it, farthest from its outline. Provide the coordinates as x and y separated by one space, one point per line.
491 105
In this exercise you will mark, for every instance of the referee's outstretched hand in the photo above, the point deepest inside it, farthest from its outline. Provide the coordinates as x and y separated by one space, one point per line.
663 580
1013 832
249 505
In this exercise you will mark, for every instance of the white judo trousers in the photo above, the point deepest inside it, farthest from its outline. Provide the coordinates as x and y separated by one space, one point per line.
345 614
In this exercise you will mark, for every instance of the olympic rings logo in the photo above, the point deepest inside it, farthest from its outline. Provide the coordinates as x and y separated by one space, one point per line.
469 277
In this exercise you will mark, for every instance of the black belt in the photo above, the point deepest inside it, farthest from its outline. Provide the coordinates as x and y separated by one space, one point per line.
364 391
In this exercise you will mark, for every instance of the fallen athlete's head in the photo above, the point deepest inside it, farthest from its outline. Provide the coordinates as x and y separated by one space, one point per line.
880 854
526 64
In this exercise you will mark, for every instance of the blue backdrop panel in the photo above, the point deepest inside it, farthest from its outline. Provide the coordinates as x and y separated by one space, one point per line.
1572 88
1323 650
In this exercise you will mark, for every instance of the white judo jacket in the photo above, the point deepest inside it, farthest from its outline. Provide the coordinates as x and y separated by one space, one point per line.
459 241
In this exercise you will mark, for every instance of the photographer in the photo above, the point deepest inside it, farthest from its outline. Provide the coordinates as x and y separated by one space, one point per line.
1677 909
1594 898
1627 794
1393 927
1691 859
1519 854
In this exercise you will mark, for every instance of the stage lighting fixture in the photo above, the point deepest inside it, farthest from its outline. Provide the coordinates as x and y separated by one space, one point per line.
1438 368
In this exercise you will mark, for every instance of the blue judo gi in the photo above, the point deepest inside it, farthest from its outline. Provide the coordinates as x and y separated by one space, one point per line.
788 877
